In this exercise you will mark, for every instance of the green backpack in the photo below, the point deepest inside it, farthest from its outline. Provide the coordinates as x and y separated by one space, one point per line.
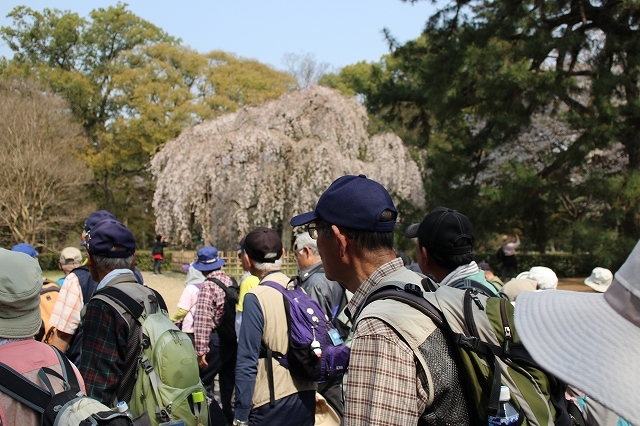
490 352
167 382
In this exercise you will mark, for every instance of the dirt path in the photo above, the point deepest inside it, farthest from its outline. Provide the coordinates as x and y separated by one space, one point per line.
171 284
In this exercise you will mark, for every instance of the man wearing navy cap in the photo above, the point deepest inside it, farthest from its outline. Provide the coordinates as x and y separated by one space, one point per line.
388 383
104 363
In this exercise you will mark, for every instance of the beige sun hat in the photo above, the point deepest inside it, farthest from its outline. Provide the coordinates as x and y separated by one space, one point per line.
514 287
325 414
590 341
600 279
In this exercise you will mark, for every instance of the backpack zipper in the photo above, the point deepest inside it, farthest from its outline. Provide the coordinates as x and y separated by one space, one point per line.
508 337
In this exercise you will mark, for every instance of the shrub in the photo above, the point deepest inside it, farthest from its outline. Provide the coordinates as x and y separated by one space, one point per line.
563 264
144 261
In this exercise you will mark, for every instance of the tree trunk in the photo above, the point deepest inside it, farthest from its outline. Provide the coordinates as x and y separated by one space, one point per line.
632 147
287 230
109 201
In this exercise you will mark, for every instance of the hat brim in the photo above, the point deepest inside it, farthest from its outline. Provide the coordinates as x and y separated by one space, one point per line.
412 230
209 266
26 325
304 218
186 267
582 340
325 414
600 288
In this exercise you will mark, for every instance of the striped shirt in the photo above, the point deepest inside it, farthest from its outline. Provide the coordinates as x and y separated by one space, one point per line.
209 310
385 386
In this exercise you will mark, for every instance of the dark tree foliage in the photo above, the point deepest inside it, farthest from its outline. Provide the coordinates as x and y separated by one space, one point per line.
479 81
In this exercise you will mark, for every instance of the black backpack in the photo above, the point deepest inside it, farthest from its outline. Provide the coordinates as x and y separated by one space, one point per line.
65 407
227 328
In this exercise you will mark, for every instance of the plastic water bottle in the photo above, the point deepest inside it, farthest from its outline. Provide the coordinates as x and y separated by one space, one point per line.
123 407
507 415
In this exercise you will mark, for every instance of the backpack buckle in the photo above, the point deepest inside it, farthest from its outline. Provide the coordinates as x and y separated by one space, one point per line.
413 289
146 364
470 342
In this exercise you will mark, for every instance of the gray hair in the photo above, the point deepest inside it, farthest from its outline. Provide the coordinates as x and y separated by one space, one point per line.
305 240
70 266
268 267
111 263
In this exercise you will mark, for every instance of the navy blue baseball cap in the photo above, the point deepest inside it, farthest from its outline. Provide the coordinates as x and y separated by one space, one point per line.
97 217
354 202
106 235
93 219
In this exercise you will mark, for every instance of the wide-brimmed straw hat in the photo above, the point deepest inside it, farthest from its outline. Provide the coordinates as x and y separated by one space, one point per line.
590 341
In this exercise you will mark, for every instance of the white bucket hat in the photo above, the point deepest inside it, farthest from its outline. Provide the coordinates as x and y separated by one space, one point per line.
600 279
590 341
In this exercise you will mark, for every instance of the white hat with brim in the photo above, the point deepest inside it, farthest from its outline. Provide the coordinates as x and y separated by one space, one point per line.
599 280
590 341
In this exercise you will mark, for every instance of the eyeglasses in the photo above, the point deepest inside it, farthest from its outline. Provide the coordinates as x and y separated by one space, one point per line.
312 229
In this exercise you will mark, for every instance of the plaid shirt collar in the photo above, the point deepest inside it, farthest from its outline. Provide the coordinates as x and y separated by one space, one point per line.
367 285
218 273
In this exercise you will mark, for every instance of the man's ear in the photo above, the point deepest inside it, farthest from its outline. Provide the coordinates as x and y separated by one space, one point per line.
133 262
424 256
341 239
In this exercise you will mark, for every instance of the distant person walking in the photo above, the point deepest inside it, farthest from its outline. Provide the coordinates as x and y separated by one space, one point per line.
508 257
157 252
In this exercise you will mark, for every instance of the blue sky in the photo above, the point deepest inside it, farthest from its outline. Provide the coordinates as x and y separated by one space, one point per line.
338 32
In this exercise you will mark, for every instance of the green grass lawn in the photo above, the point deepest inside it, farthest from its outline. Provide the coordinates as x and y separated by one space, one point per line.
52 275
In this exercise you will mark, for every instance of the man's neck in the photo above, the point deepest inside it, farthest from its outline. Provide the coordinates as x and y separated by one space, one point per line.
364 265
263 274
110 275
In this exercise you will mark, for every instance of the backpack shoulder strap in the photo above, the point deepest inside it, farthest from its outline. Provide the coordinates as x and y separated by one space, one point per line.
474 285
130 304
24 390
274 285
219 284
21 389
123 299
411 295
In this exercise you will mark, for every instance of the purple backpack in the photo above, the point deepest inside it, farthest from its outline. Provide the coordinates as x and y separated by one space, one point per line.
312 355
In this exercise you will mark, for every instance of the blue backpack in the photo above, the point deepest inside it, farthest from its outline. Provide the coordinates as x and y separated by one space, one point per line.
316 352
